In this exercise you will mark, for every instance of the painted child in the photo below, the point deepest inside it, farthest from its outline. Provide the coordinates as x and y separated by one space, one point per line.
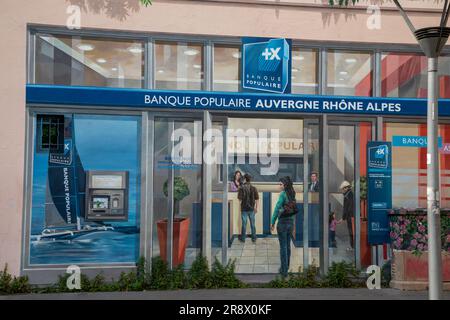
333 222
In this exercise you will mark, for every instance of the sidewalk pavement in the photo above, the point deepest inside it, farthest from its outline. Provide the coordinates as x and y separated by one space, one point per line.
238 294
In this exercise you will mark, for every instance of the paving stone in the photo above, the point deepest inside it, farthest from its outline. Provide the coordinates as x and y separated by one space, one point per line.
247 260
260 268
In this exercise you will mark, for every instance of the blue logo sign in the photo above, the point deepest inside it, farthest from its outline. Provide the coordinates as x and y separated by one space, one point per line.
412 141
64 158
379 156
266 65
379 190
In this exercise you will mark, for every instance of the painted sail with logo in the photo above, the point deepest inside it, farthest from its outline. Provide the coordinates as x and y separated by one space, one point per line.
65 182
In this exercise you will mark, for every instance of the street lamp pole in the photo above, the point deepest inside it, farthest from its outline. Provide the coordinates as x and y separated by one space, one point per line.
432 40
433 197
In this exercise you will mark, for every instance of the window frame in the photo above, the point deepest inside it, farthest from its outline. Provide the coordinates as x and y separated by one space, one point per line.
208 43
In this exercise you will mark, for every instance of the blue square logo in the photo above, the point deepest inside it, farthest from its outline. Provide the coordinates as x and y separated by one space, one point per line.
378 157
266 65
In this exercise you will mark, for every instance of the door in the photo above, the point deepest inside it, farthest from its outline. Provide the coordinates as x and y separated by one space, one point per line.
347 219
177 190
290 141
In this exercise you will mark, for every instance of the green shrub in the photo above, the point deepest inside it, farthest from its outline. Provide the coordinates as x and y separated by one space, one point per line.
224 276
177 278
13 285
386 274
308 279
340 275
199 276
160 279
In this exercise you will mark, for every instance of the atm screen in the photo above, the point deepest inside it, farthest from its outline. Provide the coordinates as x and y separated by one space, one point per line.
105 181
100 203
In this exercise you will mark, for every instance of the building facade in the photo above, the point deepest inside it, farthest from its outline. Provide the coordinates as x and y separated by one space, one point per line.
89 116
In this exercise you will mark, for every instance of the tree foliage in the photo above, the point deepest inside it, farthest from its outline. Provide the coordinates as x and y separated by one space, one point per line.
146 2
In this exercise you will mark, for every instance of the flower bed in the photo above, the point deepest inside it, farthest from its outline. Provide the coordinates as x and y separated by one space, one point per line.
408 230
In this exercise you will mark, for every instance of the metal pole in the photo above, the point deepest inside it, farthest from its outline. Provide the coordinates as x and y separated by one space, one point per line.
433 196
170 194
305 197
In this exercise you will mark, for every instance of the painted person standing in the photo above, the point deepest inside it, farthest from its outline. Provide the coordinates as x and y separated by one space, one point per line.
248 195
285 225
348 210
237 181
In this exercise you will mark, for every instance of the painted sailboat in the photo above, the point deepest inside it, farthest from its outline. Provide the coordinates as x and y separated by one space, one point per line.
65 195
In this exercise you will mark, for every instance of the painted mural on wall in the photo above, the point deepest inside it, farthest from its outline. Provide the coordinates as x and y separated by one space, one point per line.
60 233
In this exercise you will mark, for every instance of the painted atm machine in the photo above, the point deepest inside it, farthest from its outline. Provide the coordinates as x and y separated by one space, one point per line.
107 195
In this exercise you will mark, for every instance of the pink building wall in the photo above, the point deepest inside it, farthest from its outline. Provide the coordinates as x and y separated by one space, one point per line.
308 20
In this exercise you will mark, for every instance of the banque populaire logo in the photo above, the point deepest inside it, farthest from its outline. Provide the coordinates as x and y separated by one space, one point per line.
379 157
266 65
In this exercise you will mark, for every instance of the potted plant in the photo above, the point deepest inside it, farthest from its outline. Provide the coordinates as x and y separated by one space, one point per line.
180 224
409 241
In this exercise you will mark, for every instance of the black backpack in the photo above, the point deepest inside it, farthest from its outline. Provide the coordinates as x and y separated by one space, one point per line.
289 208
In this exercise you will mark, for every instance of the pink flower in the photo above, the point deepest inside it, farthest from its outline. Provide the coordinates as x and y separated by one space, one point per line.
422 228
414 242
393 235
416 235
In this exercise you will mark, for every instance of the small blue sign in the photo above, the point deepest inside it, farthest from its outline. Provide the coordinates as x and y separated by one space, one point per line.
379 190
378 156
412 141
64 158
266 65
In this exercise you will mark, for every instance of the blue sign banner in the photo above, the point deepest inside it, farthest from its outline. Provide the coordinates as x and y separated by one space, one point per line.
379 190
266 65
412 141
223 101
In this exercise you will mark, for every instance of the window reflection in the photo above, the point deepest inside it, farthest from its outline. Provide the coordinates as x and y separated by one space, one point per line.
349 73
304 71
67 60
404 75
227 61
179 65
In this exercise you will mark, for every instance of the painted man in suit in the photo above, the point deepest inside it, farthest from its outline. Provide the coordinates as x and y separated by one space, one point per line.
314 184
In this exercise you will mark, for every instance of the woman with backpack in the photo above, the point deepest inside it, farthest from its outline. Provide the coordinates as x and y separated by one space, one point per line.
284 212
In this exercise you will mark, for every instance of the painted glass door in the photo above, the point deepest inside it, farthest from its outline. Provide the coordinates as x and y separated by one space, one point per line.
177 190
347 219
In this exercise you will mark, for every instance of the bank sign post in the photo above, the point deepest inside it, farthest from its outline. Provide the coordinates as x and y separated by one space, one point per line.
266 65
379 190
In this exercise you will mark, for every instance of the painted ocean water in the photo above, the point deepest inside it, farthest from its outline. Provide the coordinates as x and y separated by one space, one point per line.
98 247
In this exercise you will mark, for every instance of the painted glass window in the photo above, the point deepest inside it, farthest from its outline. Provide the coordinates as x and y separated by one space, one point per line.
61 231
227 65
349 73
409 166
179 65
304 71
88 61
404 75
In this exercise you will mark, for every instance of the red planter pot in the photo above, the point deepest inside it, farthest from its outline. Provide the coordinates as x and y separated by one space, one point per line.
180 239
410 272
